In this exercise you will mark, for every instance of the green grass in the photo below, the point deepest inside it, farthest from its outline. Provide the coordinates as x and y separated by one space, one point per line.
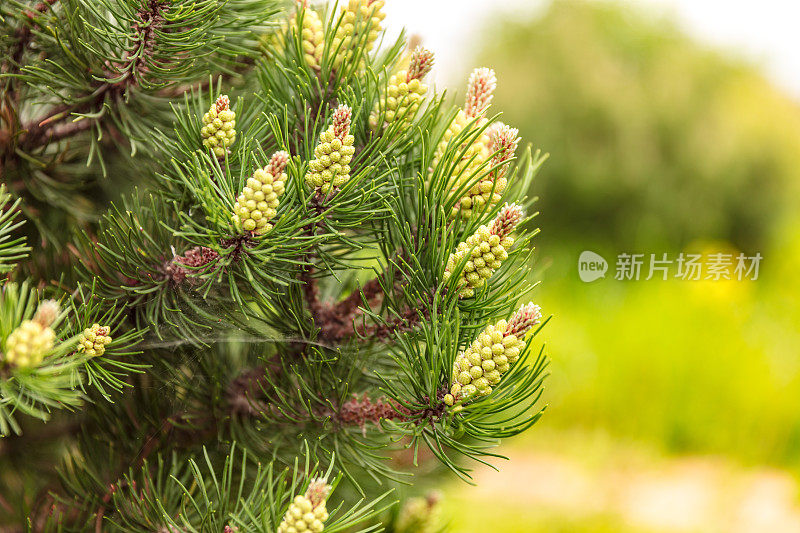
710 367
503 518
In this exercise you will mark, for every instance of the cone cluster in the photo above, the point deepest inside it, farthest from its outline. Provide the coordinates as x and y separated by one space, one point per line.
474 154
404 92
93 340
29 342
483 364
258 202
308 512
312 35
360 26
219 127
484 252
480 89
311 31
503 143
489 189
331 164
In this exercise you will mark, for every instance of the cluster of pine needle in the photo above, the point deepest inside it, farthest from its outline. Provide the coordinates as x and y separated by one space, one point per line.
255 266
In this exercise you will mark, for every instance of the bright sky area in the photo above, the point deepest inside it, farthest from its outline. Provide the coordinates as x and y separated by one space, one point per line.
767 32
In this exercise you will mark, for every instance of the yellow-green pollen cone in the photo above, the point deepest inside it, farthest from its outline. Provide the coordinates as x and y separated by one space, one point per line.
480 90
307 512
311 31
330 167
474 154
484 363
93 340
28 343
404 92
359 26
484 251
419 515
489 189
258 202
219 127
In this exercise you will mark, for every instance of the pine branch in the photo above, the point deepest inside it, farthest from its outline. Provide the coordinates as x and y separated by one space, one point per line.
299 256
23 38
336 321
360 411
50 129
404 323
40 132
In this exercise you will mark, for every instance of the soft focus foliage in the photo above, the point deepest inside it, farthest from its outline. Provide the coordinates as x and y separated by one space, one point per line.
655 139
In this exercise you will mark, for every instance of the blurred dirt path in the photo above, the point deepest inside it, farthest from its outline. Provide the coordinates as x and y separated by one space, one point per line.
666 494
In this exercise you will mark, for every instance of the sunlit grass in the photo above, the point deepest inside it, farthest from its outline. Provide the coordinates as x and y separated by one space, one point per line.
501 517
690 366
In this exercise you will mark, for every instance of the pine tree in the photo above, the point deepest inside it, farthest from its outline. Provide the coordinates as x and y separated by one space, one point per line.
254 268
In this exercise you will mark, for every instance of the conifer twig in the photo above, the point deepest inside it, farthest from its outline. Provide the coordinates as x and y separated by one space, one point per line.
42 131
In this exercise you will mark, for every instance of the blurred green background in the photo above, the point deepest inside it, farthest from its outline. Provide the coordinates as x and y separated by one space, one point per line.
673 405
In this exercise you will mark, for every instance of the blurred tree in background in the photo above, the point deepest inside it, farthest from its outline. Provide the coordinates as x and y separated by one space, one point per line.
656 139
